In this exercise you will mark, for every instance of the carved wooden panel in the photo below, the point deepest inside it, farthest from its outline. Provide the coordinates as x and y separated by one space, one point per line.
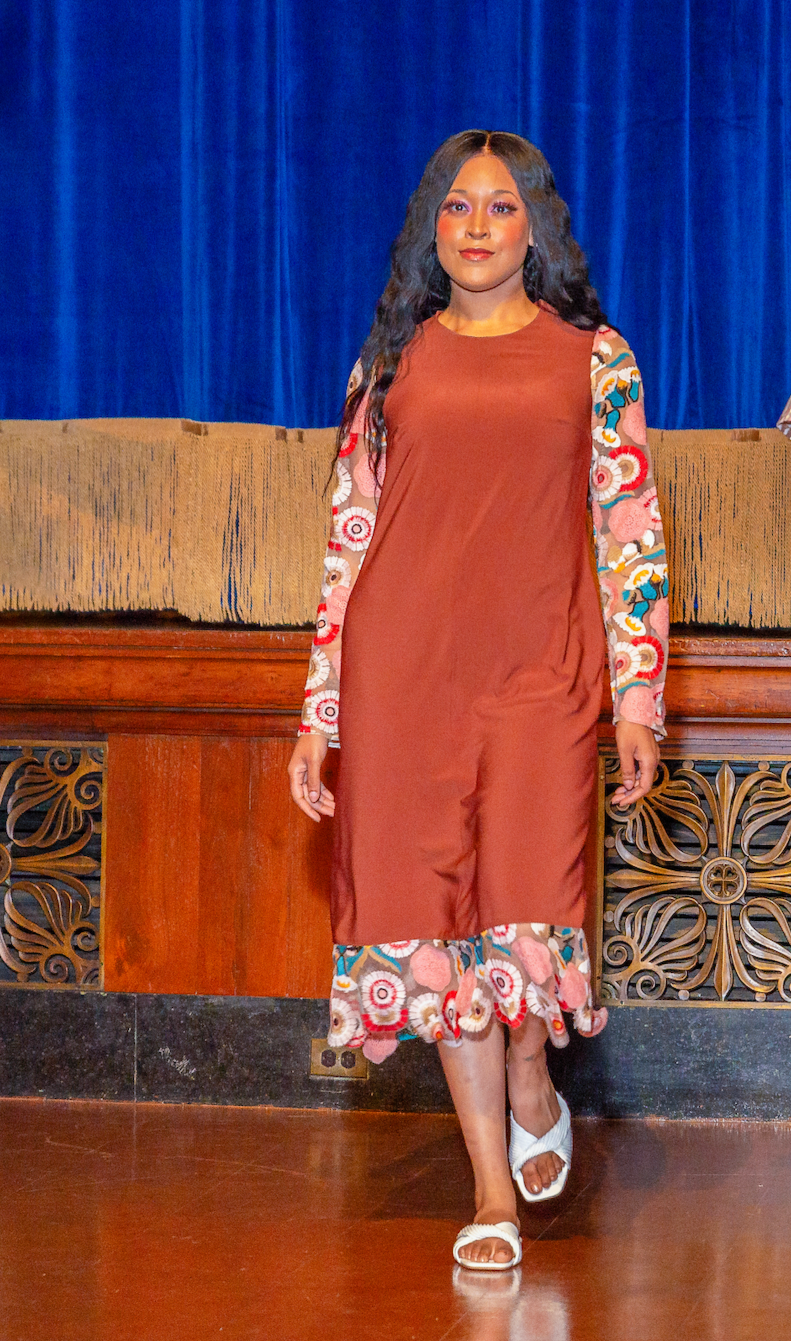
51 864
695 887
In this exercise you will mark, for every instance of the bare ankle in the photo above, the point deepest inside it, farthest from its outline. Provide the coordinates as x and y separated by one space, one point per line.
527 1059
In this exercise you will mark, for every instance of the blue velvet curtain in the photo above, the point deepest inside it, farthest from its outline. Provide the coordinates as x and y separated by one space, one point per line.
198 198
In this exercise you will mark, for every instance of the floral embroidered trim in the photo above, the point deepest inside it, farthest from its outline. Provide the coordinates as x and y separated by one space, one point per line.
441 991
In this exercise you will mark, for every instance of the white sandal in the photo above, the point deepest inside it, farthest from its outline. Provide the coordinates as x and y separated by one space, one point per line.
524 1146
474 1233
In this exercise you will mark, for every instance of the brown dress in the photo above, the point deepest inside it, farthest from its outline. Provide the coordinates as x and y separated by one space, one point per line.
473 651
473 647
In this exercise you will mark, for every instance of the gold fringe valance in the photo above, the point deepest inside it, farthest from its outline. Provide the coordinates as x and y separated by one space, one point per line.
724 499
228 522
220 522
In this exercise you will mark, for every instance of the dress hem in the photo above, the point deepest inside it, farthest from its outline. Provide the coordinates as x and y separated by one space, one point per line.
446 991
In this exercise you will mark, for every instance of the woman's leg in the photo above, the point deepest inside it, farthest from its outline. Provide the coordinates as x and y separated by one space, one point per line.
475 1072
532 1097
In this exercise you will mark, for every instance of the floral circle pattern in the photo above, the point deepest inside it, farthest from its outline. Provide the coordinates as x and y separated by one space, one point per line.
318 669
326 631
379 997
323 711
399 949
606 479
355 526
343 485
337 572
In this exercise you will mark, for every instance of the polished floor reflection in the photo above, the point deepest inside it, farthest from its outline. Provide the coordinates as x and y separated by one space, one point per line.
162 1223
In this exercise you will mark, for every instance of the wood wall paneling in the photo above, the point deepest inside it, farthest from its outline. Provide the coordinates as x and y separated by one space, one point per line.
214 881
309 934
222 839
270 895
152 864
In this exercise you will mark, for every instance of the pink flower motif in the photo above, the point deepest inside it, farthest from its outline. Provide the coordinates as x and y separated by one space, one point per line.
660 618
573 988
364 477
358 422
464 994
598 516
377 1049
536 958
430 968
633 423
637 705
628 521
610 595
337 601
335 662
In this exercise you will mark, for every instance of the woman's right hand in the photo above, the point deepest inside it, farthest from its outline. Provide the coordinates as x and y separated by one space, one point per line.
304 771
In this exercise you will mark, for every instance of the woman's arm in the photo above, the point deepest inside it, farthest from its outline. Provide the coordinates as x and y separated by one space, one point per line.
354 505
631 559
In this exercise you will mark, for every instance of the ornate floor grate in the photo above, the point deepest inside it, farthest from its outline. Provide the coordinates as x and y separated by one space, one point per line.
50 864
696 897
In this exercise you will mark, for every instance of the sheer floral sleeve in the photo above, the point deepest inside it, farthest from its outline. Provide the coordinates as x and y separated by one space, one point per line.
354 505
630 546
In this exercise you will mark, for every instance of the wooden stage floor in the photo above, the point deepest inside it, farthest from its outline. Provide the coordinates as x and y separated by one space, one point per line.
158 1223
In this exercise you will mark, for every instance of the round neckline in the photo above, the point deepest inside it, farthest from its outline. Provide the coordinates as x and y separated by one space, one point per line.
506 335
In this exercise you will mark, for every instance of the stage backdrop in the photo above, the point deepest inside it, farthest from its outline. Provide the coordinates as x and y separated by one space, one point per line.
198 197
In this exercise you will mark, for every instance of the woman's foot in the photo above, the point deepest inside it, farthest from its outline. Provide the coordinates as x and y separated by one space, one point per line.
533 1101
494 1249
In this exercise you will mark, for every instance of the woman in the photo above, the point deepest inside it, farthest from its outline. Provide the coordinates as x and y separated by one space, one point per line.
496 396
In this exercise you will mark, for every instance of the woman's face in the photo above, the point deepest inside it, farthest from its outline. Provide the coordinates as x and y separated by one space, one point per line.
483 229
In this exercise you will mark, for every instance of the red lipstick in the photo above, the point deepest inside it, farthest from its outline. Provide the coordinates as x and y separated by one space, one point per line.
475 254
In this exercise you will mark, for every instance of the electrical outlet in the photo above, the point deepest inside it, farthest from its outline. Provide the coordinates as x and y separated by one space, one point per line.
339 1063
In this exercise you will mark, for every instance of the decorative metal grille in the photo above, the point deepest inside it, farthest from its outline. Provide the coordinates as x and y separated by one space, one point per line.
696 899
50 864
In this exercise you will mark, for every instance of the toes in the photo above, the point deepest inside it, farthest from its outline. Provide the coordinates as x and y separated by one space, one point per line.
532 1177
487 1250
541 1173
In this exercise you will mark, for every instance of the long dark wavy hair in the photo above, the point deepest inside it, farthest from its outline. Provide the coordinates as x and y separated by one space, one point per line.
555 270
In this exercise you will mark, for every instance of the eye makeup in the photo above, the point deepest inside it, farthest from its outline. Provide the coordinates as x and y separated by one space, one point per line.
454 205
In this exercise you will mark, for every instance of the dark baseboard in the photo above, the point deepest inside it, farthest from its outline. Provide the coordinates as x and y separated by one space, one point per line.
690 1062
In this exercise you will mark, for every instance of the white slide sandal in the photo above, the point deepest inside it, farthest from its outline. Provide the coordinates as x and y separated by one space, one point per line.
474 1233
524 1146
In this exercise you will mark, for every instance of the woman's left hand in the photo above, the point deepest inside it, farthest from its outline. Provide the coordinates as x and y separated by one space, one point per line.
639 755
